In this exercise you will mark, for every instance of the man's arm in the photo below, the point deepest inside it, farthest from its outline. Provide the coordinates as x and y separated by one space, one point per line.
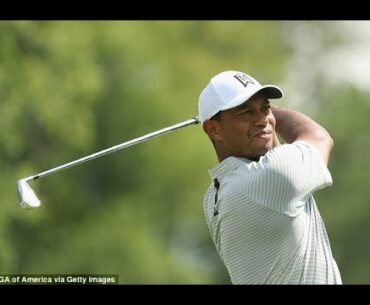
294 126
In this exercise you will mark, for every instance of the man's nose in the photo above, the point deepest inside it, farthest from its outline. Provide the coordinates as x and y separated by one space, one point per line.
260 118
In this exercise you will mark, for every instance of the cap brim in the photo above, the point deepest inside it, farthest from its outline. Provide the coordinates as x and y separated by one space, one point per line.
271 91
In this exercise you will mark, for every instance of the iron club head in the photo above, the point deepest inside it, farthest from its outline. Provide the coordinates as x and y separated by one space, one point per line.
27 197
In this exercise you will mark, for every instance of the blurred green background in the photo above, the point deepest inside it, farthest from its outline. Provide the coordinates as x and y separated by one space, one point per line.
70 88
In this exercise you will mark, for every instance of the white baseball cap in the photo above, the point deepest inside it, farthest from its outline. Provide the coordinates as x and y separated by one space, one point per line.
230 89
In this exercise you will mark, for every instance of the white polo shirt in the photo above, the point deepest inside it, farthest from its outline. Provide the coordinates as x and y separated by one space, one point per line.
265 224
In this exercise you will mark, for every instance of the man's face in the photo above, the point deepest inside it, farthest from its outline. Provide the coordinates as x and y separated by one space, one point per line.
247 130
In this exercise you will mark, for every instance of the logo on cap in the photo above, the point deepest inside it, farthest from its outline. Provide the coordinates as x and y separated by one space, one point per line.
243 79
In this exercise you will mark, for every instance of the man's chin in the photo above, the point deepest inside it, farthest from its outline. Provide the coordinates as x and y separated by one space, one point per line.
260 153
269 146
265 148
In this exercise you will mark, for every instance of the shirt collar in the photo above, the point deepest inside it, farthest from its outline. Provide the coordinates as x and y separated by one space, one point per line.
226 166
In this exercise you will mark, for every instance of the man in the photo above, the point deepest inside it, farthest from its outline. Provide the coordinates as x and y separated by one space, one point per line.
259 208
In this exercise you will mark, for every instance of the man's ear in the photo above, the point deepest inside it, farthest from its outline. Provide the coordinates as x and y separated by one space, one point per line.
213 129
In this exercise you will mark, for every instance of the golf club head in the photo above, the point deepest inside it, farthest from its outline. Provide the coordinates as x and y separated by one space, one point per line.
27 197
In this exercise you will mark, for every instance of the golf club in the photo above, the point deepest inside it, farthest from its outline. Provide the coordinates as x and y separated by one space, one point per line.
28 198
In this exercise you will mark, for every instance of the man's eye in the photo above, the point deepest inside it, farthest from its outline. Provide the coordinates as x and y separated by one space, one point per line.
266 107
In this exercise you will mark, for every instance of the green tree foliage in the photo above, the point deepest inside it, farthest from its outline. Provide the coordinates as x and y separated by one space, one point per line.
69 88
346 209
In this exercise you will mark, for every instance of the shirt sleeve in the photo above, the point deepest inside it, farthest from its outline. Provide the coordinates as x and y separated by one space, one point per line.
286 176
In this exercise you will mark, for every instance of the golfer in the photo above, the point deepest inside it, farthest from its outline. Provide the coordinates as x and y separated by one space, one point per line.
259 208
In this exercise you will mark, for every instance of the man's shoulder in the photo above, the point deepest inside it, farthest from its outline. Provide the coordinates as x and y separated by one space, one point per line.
292 154
282 163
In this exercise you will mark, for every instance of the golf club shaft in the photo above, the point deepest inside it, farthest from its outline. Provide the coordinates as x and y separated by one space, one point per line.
115 148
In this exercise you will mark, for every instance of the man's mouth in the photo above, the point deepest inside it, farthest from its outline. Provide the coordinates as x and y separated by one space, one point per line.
265 133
